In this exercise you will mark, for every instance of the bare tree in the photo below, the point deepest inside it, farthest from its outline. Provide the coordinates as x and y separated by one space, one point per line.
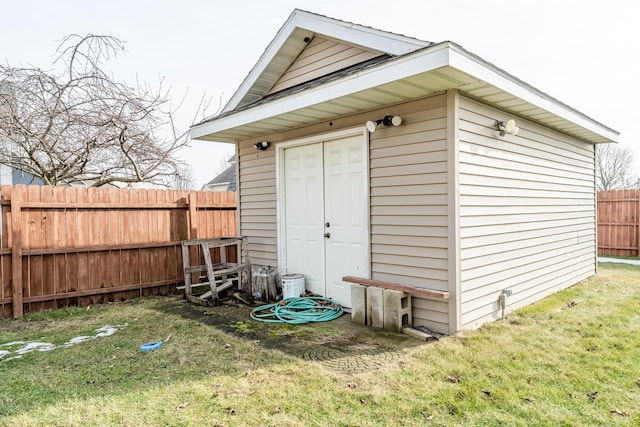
614 168
183 179
78 123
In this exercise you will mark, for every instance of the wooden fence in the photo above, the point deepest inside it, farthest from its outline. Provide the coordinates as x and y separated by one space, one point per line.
619 222
65 246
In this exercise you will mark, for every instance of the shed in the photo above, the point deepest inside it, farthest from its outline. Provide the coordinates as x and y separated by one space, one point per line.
452 199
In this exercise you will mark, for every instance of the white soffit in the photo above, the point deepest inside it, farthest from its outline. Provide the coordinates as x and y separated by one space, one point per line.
289 42
505 91
434 69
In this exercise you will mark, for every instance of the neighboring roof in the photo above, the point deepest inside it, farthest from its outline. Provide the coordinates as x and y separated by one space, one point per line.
410 69
228 176
225 176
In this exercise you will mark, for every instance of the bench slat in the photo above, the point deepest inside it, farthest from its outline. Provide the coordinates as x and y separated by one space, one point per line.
396 287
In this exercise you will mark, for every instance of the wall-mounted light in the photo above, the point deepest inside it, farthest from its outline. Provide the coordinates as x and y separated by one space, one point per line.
262 145
386 120
508 127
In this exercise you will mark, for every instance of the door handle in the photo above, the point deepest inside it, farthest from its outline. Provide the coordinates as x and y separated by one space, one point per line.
327 235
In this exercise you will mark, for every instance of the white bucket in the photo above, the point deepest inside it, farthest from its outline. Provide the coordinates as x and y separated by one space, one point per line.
292 285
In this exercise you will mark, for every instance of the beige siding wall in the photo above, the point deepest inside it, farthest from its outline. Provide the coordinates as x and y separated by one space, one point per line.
527 213
408 175
257 203
409 238
322 56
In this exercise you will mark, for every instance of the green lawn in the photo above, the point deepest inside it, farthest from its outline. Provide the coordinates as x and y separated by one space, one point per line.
572 359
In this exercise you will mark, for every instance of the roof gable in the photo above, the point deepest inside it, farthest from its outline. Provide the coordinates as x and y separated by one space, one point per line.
297 35
322 56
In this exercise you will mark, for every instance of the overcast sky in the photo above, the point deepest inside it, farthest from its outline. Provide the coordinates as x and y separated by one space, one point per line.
584 53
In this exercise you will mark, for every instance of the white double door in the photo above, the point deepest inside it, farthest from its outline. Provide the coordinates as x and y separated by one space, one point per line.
325 214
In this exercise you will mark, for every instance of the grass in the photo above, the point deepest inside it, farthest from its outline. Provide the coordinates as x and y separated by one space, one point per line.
541 367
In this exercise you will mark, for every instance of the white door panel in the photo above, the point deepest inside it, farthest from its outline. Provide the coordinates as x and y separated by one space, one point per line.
326 192
304 216
345 211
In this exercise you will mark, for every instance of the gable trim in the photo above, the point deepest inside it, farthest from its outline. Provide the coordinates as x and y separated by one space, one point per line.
301 24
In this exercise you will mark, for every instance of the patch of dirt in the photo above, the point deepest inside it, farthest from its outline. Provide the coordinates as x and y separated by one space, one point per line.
23 326
338 345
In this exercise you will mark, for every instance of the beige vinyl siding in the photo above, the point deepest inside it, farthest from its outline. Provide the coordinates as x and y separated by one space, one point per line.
322 56
527 212
257 203
409 239
257 175
408 192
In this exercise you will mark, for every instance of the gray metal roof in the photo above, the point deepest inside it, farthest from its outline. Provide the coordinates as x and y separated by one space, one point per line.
228 176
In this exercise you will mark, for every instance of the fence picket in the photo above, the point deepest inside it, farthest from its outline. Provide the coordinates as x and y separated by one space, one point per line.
79 246
59 241
619 222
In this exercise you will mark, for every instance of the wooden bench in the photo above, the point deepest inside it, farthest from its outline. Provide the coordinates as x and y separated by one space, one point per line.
430 293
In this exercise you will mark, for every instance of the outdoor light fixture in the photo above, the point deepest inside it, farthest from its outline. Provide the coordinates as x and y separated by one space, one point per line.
386 120
262 145
508 127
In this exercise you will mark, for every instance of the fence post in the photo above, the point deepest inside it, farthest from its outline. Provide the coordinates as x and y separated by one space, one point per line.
193 215
193 252
636 198
17 196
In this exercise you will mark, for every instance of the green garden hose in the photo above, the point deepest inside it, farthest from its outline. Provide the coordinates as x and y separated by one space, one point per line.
298 311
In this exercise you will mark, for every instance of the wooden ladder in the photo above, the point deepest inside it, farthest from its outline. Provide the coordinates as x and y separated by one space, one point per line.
225 273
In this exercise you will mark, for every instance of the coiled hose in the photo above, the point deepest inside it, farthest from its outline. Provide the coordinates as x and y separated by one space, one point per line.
298 311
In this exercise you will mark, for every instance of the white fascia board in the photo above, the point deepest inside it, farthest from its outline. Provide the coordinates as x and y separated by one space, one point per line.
403 67
370 38
270 52
389 43
475 66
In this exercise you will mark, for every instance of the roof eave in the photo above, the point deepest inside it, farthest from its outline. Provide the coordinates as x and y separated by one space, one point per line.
326 92
472 64
443 57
